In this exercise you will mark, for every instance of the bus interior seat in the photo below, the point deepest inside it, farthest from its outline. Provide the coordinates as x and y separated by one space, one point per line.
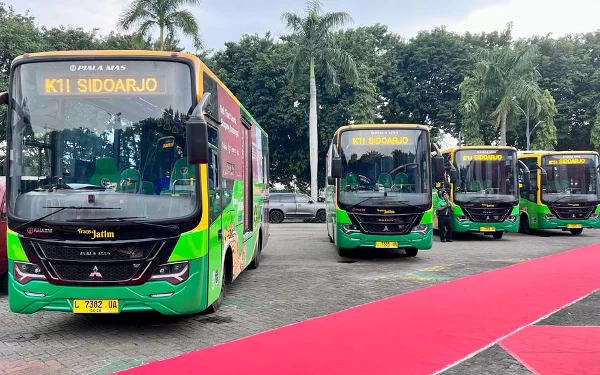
130 181
487 184
147 188
183 177
475 185
162 185
385 179
351 180
106 170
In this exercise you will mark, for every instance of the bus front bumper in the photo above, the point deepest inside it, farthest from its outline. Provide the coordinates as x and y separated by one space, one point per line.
462 226
419 240
187 297
546 221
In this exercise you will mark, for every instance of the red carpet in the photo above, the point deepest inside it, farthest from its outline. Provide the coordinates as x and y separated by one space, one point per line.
420 332
552 350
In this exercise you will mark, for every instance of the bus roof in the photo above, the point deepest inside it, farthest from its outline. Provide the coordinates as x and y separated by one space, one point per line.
199 64
546 152
381 126
483 147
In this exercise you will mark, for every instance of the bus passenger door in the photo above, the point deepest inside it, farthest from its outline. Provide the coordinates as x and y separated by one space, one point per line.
215 226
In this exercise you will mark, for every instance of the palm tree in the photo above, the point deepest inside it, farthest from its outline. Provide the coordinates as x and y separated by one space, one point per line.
503 77
313 42
167 15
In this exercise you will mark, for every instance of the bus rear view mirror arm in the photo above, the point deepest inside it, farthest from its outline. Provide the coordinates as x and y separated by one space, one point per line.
196 130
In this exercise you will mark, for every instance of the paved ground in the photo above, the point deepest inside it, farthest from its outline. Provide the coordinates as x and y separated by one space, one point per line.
300 276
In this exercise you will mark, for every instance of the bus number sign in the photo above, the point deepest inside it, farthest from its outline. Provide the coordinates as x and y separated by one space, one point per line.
103 85
380 140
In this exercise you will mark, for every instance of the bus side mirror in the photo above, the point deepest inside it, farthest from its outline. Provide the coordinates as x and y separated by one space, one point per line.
544 177
336 168
330 180
196 131
3 97
453 175
438 166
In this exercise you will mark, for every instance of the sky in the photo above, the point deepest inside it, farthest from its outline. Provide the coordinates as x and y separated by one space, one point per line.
223 21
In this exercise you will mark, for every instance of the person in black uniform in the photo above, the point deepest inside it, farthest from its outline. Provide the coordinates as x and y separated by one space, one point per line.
443 211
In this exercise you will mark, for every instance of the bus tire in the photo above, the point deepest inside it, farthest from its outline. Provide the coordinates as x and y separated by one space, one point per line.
321 216
576 231
497 235
4 283
225 276
276 216
342 252
256 261
411 251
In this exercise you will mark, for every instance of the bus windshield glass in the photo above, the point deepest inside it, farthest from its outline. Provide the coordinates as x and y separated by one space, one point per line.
486 175
384 167
101 134
570 177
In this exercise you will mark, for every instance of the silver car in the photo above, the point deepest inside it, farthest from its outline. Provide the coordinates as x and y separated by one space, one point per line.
294 206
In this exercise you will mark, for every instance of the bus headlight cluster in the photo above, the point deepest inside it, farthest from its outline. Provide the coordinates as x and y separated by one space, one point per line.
512 218
350 228
549 216
421 228
174 273
25 272
594 216
461 218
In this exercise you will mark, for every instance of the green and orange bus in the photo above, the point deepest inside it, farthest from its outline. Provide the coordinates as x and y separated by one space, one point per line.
137 182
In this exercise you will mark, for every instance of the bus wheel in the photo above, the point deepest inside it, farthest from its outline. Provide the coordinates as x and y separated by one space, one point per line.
276 216
256 261
217 304
576 231
411 251
497 235
342 252
4 283
322 216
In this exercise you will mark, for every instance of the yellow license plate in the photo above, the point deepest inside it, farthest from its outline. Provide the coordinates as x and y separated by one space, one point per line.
386 245
96 306
573 226
487 229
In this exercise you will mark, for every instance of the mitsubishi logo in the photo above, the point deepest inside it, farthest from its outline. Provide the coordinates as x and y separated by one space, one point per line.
487 218
385 229
573 215
95 272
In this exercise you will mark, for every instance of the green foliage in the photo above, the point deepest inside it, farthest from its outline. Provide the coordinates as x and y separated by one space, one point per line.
595 134
167 16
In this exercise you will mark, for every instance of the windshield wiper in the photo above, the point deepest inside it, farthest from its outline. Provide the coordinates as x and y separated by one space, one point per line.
361 202
60 209
474 199
127 219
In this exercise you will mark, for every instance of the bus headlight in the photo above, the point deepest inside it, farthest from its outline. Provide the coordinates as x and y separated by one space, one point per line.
25 272
420 228
594 216
350 228
549 216
461 218
512 218
174 273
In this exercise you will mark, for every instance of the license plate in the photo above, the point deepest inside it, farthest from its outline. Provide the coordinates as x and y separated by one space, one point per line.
386 245
96 306
487 229
573 226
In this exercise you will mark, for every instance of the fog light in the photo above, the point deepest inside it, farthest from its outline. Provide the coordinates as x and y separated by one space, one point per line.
31 294
25 272
160 295
174 273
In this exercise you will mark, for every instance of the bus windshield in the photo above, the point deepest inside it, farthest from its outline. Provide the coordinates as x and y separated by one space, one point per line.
486 175
100 134
570 177
384 167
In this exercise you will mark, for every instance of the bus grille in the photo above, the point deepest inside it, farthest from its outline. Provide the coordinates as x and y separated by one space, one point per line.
385 224
490 215
86 263
572 213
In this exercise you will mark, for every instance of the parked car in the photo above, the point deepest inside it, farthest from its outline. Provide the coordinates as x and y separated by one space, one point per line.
3 255
294 206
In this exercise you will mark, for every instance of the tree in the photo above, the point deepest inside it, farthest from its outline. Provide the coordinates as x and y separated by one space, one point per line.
166 15
313 41
595 135
503 77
